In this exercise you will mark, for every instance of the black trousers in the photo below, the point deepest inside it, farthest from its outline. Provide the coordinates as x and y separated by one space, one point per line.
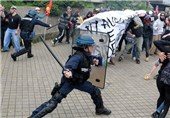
146 45
65 89
166 102
164 91
62 33
27 43
161 89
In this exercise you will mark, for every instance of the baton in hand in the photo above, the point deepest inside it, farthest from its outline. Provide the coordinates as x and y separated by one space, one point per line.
52 53
52 26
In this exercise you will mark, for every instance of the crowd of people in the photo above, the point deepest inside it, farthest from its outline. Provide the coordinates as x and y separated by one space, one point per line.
148 33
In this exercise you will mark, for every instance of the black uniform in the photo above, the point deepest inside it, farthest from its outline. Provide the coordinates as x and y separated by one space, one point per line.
79 65
27 34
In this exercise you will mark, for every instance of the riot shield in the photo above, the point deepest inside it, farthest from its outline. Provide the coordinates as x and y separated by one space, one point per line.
98 73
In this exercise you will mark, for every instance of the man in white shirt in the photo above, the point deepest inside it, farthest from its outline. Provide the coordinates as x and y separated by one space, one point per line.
157 31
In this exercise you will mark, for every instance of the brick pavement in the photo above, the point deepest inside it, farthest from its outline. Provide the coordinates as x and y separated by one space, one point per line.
26 83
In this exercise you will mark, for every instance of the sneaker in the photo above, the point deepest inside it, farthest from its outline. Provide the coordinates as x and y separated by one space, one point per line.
147 59
2 50
30 55
134 58
137 61
120 58
103 111
54 41
13 57
155 115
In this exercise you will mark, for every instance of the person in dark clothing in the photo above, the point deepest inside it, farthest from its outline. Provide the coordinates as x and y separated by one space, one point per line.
13 30
64 26
147 31
164 89
163 79
75 75
136 27
4 23
27 34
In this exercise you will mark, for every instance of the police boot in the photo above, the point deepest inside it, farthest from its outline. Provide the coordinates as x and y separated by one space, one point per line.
14 57
21 52
98 101
29 55
103 111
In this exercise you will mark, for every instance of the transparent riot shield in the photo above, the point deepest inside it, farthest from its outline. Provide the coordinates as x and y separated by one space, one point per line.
98 73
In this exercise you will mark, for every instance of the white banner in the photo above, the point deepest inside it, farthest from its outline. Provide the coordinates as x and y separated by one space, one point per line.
113 23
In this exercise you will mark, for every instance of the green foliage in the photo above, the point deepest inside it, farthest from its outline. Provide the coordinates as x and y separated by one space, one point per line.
59 6
131 4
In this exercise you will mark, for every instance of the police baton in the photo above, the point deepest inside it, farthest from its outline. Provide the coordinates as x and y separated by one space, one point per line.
52 53
52 26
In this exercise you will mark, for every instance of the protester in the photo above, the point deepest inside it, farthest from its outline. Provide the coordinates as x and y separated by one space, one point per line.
64 26
13 30
157 31
163 80
147 31
4 23
136 27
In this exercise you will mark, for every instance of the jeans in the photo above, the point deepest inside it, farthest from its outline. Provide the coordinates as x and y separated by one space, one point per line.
134 49
65 89
159 109
8 34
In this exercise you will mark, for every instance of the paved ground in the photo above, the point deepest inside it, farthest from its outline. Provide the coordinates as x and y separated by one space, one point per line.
27 83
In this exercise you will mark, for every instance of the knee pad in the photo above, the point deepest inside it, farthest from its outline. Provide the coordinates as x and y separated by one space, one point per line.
97 91
58 97
51 106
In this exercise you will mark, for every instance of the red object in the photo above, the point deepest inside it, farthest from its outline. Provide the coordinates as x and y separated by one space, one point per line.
157 10
70 24
48 8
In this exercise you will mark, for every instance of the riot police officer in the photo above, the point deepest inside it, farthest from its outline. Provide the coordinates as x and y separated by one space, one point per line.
75 75
26 26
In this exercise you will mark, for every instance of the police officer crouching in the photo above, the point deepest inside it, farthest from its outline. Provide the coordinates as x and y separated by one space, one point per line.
27 26
75 75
